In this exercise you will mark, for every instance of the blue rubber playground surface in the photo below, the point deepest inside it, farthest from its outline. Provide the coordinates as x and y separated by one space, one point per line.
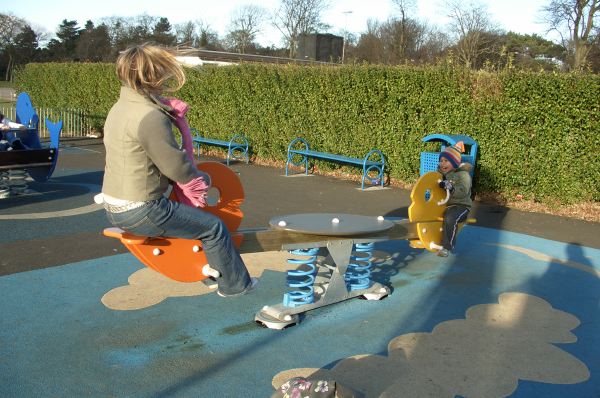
508 314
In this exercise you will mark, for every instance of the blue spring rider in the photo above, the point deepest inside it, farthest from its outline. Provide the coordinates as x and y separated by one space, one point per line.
30 155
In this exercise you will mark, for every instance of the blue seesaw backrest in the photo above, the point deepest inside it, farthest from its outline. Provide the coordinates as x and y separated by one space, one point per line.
25 111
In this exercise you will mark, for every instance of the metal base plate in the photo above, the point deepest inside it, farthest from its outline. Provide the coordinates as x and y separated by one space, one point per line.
274 323
279 316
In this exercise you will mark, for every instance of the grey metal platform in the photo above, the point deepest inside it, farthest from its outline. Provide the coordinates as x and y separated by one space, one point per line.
338 224
339 233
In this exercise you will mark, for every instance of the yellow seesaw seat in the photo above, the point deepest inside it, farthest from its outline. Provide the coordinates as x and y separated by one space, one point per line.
427 210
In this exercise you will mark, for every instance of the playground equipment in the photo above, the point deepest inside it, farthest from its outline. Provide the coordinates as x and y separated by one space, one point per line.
348 239
373 163
183 259
33 159
343 274
426 211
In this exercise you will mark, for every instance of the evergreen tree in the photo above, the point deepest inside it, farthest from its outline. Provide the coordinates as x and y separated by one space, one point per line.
94 43
63 48
162 34
26 46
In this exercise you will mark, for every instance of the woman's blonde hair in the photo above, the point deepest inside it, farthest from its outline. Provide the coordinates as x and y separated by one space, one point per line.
150 69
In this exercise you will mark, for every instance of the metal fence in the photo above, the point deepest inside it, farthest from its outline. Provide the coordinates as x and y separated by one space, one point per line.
74 121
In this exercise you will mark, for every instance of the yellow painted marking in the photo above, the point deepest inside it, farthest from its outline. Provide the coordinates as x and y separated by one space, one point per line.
59 213
544 257
483 355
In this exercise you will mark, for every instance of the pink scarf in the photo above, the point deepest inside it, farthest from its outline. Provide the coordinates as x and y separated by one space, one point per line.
194 192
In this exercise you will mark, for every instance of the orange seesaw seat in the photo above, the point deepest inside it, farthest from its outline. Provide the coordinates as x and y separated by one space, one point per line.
182 259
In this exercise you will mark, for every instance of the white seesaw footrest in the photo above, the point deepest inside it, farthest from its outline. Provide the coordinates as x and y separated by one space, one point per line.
210 272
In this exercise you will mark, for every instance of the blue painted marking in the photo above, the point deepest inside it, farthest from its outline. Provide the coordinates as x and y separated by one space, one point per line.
58 339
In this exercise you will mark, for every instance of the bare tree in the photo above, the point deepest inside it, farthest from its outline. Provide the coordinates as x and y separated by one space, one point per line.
435 44
470 25
296 17
405 7
10 27
208 38
574 21
381 42
594 55
124 31
402 40
117 30
142 27
401 26
370 46
196 34
246 23
186 34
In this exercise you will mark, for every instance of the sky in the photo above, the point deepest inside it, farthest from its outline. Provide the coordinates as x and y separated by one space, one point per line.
343 15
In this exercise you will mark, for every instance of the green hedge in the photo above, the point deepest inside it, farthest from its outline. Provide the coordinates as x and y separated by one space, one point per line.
538 132
91 87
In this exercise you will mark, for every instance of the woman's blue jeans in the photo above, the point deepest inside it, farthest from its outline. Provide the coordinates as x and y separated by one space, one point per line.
163 217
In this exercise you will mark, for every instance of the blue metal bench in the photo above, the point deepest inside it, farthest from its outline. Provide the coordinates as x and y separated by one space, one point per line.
237 146
373 160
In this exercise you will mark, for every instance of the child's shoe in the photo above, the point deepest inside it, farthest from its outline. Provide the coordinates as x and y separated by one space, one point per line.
443 253
18 145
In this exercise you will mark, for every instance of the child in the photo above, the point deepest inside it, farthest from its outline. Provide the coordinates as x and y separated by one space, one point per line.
9 139
7 124
143 157
458 181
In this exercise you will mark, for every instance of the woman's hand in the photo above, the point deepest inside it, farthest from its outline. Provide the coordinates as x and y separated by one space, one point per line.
194 193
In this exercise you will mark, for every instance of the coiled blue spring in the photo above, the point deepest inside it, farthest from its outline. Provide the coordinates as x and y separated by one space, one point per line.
17 181
302 279
4 184
358 274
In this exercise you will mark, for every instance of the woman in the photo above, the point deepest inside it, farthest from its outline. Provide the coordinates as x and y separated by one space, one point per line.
142 157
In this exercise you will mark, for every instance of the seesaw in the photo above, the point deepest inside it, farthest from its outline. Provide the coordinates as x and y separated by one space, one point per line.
348 240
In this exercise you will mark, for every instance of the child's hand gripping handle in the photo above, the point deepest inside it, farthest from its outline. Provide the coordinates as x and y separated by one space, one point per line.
447 185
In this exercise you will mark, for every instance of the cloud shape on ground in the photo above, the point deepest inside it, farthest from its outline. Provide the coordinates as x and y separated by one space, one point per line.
147 287
485 354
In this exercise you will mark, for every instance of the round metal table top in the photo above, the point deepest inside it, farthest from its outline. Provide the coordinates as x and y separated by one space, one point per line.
335 224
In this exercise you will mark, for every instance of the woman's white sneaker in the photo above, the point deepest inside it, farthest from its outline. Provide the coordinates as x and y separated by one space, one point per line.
251 287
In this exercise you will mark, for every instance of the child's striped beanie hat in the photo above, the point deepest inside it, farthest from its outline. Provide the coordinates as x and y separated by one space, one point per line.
452 153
